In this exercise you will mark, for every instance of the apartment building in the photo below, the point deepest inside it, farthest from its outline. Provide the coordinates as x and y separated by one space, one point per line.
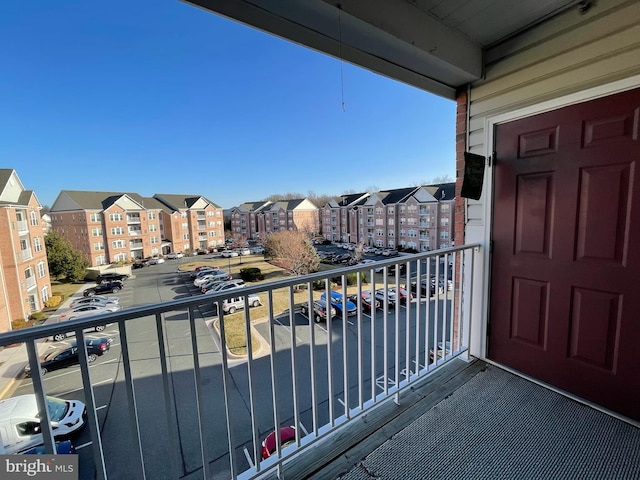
24 273
246 221
340 217
255 220
420 218
191 222
110 227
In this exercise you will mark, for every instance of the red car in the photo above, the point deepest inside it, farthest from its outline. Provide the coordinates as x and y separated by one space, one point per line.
287 437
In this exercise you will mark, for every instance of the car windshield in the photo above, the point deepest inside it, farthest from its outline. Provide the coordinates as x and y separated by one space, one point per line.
57 409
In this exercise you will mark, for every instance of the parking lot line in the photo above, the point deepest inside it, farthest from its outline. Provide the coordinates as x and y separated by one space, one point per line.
78 447
82 388
246 454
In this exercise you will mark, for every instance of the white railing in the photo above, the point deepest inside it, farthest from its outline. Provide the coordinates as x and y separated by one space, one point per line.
30 282
23 226
26 254
319 377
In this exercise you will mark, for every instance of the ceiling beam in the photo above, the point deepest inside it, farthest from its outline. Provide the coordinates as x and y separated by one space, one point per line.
390 37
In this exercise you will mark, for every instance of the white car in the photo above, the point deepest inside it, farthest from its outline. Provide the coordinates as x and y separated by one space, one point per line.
218 275
94 301
86 310
229 253
20 420
231 284
244 251
174 255
155 261
367 261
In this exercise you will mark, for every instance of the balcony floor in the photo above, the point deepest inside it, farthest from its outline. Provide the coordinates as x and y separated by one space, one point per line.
488 424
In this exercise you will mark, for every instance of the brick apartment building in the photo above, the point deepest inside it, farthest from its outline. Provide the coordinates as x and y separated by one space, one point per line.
421 218
24 273
110 227
255 220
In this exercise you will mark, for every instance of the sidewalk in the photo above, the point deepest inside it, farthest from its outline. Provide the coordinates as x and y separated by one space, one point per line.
14 359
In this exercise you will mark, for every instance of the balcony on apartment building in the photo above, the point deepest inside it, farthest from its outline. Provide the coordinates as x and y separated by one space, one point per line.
30 282
354 386
23 227
202 225
135 244
26 254
133 219
134 231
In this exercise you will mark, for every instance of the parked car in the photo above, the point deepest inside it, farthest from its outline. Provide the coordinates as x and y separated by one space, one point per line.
94 301
20 420
229 253
393 295
155 261
174 255
108 287
365 300
287 437
319 310
110 277
244 251
87 310
216 275
139 264
258 249
231 305
64 447
226 285
336 302
69 355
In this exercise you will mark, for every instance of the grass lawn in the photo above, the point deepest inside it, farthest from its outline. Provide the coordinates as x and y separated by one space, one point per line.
235 330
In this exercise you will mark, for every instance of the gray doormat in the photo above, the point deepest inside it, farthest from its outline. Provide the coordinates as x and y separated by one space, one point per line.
500 426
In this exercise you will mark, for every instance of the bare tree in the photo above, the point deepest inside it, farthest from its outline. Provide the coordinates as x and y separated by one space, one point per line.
292 251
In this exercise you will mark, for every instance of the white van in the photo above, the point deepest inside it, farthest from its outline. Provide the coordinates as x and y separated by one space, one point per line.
237 303
20 425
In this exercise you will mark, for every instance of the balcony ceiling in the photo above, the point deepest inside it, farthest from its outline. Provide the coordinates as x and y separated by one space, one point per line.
435 45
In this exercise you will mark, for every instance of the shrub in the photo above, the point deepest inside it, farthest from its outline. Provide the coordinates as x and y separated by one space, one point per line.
352 278
53 301
18 323
318 285
251 274
37 316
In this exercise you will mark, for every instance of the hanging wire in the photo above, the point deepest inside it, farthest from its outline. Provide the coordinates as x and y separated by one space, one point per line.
340 54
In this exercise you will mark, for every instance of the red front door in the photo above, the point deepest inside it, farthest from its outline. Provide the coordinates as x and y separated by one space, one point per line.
565 288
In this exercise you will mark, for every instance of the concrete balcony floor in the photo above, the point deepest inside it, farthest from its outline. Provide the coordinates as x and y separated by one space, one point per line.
477 421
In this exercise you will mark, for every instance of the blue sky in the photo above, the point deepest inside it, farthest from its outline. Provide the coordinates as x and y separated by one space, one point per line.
163 97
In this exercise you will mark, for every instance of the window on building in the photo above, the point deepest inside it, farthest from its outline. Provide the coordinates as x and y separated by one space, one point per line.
44 294
117 231
120 257
96 232
185 226
153 227
444 235
115 217
118 244
379 232
154 239
390 233
154 251
34 219
444 221
101 260
41 270
151 215
37 244
185 236
95 217
444 207
98 246
33 303
391 222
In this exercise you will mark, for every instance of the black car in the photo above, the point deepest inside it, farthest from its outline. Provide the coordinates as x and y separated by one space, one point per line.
427 285
110 277
66 356
107 287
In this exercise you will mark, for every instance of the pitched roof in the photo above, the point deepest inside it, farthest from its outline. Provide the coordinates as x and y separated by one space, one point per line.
253 206
291 204
351 199
179 202
397 195
442 191
87 200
